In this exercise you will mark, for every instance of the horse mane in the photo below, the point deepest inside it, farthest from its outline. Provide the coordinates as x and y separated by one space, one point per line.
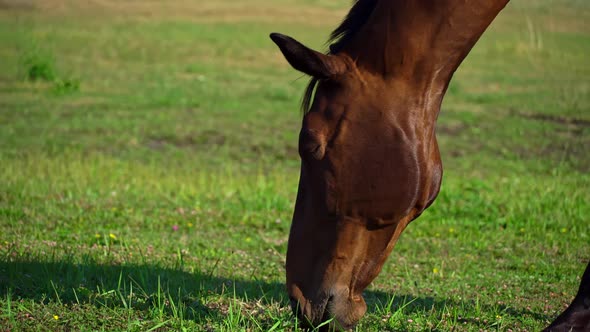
352 23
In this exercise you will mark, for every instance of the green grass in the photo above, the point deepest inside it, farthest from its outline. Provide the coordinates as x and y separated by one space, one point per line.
149 169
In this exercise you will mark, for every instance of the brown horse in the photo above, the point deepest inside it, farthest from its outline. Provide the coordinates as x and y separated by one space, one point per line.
370 159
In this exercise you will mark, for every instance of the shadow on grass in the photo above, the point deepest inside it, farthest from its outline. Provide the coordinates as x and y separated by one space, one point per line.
111 285
146 286
410 304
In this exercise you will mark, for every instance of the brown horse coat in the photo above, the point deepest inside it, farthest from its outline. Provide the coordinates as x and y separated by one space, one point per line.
370 162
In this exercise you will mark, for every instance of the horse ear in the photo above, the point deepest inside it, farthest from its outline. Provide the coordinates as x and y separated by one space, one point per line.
308 61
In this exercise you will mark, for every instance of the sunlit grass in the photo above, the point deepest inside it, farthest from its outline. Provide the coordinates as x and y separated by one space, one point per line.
149 170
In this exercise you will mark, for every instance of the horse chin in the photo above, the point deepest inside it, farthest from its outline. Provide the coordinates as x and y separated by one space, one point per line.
346 311
341 311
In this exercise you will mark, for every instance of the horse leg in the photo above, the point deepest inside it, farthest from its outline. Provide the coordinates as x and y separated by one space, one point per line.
576 317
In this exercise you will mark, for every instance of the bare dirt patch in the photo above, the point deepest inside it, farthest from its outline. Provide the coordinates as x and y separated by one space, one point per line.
17 4
205 138
570 140
561 120
450 129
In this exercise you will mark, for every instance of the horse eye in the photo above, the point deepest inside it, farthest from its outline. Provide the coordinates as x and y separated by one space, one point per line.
311 143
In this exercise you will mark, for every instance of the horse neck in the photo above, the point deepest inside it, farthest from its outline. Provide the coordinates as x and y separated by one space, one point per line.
421 42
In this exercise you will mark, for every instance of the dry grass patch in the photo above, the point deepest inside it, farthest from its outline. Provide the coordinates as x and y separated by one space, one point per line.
198 11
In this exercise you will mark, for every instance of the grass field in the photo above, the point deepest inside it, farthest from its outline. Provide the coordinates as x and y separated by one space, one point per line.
149 169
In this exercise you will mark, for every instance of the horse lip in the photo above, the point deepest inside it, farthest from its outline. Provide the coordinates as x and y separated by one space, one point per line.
318 312
325 312
294 304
